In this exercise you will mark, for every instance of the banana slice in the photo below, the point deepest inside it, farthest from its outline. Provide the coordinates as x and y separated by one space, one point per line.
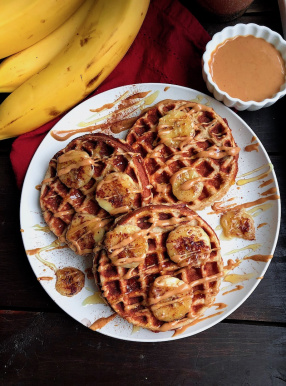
170 298
75 168
173 126
126 247
187 184
116 193
188 245
85 231
238 223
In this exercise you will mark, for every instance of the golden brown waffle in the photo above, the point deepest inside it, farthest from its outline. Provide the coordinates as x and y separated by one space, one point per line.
195 148
74 182
129 290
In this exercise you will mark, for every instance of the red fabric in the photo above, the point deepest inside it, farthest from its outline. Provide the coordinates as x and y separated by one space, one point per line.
168 49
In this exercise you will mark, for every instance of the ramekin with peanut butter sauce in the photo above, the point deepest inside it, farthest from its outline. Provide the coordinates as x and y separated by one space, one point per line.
244 66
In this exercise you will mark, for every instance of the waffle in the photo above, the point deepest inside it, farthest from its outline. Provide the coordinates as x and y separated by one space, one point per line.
189 152
130 282
94 179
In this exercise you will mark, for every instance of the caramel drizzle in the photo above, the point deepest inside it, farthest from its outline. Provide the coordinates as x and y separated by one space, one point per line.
235 278
113 120
54 245
253 247
256 178
217 208
260 208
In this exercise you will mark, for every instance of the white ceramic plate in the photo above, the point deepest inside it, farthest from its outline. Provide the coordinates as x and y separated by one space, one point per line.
248 274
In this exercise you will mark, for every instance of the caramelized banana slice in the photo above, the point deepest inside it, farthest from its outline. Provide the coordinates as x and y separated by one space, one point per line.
85 231
170 298
175 125
187 184
70 281
238 223
126 247
75 168
188 245
116 193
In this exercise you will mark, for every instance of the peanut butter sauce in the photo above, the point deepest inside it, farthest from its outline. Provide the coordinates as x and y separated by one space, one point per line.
218 152
184 328
252 147
247 68
99 323
219 306
265 183
217 208
262 225
269 191
262 258
237 288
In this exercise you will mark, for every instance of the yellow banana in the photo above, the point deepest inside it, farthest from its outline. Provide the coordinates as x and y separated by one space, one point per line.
25 22
17 68
93 53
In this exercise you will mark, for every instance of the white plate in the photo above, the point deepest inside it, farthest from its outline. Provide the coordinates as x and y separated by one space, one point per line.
253 271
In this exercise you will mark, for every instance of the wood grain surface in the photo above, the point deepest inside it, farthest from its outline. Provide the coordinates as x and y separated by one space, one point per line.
40 344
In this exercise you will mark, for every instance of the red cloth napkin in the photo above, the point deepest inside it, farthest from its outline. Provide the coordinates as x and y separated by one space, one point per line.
168 49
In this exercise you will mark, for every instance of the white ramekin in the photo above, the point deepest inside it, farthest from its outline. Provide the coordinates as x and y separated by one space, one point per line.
242 30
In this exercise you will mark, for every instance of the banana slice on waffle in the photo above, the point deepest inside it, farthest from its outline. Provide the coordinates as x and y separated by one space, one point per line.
90 182
160 267
189 152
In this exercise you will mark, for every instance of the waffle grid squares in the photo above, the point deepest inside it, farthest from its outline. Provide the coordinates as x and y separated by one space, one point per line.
127 290
210 130
60 204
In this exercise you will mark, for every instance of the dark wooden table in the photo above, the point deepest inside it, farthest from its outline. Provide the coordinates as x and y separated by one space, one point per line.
40 344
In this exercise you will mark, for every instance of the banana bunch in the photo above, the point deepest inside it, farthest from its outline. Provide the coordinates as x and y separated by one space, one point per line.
51 69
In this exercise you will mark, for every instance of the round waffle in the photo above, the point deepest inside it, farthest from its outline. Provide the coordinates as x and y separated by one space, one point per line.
94 179
189 152
160 267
